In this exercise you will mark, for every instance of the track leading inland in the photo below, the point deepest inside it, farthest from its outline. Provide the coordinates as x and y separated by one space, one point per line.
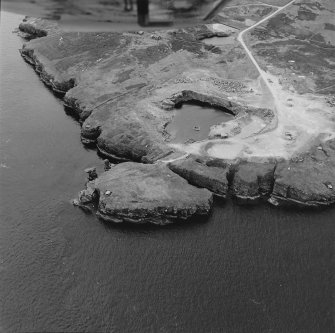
299 121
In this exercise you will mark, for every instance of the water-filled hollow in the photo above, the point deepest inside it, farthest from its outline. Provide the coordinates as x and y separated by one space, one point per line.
194 119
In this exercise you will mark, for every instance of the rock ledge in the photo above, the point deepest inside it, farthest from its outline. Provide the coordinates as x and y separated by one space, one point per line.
145 193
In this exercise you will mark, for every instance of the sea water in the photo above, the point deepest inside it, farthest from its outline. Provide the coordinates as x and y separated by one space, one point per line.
244 269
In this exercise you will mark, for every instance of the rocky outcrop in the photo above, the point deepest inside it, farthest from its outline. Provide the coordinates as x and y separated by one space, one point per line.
123 87
145 193
252 181
303 181
216 102
308 180
36 27
198 173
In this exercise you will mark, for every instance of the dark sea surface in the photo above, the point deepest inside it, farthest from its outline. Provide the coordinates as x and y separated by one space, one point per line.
259 269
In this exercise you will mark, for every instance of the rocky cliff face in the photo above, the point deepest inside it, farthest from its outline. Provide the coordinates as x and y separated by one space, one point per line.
123 88
307 180
145 193
253 181
198 173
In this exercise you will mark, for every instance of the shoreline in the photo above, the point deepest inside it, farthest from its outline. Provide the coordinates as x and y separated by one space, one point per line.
283 186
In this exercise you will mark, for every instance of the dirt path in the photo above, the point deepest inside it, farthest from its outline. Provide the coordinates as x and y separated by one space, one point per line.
240 39
300 120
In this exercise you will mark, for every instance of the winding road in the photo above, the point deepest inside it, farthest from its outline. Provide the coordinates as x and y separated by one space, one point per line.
300 119
252 58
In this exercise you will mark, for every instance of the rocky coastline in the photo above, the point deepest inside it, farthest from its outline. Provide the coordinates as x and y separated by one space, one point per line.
123 88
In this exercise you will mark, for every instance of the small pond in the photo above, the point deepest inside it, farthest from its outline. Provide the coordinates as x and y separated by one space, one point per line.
193 120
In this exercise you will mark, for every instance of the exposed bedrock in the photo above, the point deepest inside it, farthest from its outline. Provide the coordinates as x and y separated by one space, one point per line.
308 180
252 181
36 27
216 101
198 173
124 88
145 193
248 182
129 139
190 95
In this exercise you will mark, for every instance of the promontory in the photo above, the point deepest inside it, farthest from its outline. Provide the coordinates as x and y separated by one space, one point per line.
241 107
